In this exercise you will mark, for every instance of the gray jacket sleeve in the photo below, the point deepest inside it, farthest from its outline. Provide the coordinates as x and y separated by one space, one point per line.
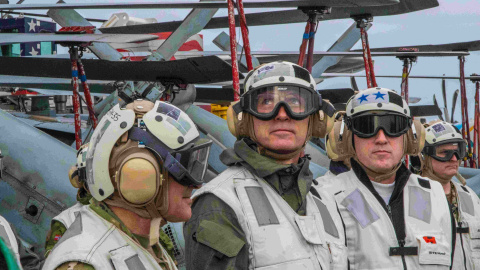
213 237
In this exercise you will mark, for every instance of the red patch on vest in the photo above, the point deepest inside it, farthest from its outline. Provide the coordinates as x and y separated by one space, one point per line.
429 239
57 237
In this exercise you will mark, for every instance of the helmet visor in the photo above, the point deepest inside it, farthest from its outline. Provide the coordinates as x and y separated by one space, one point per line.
264 103
445 152
366 126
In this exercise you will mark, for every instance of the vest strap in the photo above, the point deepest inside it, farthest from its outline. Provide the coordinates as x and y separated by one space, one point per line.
403 251
463 230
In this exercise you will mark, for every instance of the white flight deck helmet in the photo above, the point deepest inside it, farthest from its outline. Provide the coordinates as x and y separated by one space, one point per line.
280 76
134 149
440 133
374 102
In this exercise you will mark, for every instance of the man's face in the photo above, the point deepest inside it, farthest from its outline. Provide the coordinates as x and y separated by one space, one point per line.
379 153
179 202
446 169
281 133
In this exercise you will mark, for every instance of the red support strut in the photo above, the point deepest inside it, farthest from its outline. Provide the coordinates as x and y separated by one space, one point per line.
465 124
303 47
246 41
86 91
362 23
76 98
233 51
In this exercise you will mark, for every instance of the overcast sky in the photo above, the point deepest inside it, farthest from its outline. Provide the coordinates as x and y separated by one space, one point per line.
452 21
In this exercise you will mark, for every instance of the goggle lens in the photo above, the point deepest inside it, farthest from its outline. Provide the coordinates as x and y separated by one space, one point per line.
264 102
445 152
366 126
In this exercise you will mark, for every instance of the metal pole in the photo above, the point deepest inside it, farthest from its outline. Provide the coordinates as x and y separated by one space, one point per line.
303 47
311 40
370 61
86 91
477 117
404 77
76 98
246 41
233 51
465 124
365 58
475 126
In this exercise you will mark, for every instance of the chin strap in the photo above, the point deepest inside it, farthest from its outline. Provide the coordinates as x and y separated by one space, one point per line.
379 176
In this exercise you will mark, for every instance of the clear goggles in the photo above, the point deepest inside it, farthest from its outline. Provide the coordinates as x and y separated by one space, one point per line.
187 165
445 152
368 125
264 103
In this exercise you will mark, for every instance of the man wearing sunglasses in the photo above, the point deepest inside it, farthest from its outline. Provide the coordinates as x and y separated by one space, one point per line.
393 218
444 151
261 213
141 165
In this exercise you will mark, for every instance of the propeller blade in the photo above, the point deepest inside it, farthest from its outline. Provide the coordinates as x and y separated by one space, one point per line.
445 108
435 103
340 95
425 110
353 83
454 103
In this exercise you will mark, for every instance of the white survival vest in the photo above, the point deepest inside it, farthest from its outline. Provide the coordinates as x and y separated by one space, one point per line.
93 240
8 236
278 237
467 247
371 237
67 216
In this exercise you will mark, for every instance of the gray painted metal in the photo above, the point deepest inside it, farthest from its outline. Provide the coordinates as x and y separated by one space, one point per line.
205 5
69 17
285 17
329 75
457 46
9 38
223 42
35 175
343 44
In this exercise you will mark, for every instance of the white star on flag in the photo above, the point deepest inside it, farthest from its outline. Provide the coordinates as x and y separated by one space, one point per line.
32 25
33 52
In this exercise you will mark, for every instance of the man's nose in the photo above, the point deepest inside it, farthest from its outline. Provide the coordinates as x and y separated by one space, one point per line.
454 158
381 137
282 114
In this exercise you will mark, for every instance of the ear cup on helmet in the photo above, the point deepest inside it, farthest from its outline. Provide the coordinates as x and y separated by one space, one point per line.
138 176
339 142
322 124
238 124
414 144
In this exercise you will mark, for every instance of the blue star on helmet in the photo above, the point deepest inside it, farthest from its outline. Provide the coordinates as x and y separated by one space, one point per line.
379 95
363 98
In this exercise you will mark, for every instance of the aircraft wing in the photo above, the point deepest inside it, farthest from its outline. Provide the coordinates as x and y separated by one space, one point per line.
207 69
9 38
282 17
46 85
425 110
458 46
205 4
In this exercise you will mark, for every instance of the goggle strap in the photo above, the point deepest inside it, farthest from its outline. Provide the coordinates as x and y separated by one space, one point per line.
341 130
237 107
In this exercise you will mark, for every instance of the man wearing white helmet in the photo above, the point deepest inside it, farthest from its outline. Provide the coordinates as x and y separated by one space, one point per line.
261 212
444 150
142 164
393 218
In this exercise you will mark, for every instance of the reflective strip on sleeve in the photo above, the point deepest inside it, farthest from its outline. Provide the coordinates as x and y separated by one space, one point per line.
467 203
261 206
327 219
420 205
4 236
357 205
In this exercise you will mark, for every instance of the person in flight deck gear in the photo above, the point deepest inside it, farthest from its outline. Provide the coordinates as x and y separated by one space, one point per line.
444 150
142 164
261 212
14 255
62 221
393 219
